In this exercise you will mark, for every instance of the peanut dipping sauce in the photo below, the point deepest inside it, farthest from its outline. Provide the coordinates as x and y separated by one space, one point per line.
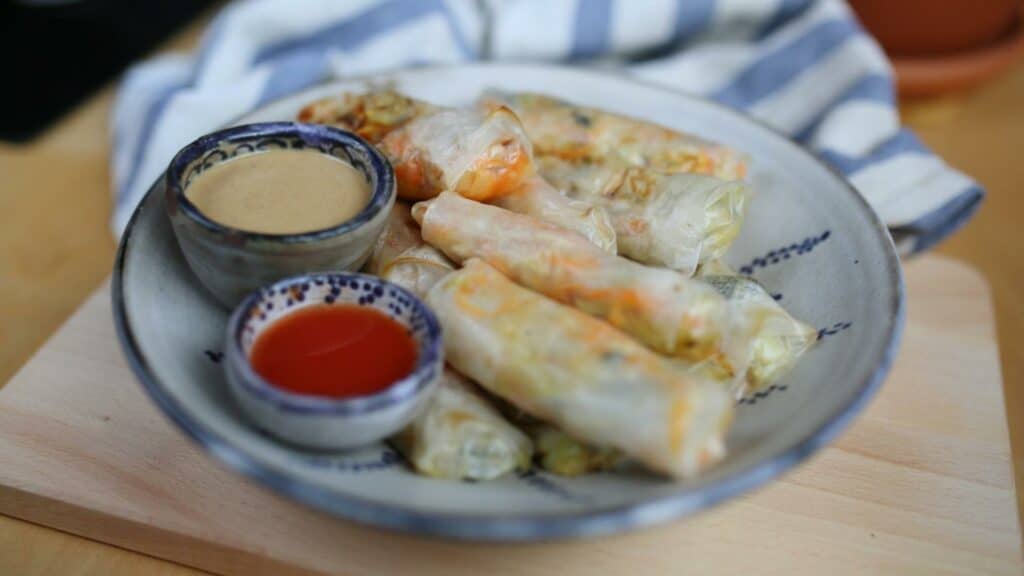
280 192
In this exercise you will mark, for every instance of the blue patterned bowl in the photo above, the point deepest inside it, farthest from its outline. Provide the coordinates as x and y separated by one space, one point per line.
232 263
320 422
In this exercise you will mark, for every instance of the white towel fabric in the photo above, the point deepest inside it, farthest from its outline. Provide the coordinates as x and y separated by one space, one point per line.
804 66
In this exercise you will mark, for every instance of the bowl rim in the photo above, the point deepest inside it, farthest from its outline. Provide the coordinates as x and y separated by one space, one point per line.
383 192
513 528
403 390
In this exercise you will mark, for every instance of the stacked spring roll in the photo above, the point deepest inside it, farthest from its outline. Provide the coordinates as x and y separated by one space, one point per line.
585 358
674 200
481 154
566 367
401 256
458 434
667 311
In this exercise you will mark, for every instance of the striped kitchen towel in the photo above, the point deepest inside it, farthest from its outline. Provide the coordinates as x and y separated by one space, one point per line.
803 66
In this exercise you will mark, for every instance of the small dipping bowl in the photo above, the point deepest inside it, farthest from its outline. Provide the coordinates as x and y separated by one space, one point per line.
231 262
319 422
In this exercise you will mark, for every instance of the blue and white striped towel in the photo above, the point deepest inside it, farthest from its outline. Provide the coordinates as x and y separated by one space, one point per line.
804 66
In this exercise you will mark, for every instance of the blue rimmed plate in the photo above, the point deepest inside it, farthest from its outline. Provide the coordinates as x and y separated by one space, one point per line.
809 237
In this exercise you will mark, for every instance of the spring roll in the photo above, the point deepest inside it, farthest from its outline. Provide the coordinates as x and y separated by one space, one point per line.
372 115
479 155
583 135
555 451
579 373
460 436
536 197
674 220
401 256
486 158
777 339
483 155
669 312
632 168
561 454
457 435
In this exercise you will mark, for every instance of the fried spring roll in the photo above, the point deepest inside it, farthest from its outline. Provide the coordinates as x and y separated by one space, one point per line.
673 314
372 115
563 366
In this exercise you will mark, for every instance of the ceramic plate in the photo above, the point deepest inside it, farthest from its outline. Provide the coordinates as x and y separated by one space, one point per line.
809 237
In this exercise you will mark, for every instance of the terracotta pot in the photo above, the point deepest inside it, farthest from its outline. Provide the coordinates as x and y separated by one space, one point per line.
940 46
931 27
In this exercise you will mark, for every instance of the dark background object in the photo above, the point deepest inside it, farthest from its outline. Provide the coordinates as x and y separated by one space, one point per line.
57 52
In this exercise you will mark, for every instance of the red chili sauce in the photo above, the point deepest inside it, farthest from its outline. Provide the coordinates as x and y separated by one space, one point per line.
338 351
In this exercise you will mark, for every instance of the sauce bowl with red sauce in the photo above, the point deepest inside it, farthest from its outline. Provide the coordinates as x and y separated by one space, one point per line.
334 360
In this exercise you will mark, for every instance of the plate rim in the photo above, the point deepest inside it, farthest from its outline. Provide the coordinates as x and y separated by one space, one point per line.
497 528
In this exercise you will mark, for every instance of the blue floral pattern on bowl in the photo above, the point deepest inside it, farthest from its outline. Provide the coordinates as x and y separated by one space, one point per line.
321 422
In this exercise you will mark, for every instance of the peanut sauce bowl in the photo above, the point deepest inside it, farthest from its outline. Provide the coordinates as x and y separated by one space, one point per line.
327 422
231 262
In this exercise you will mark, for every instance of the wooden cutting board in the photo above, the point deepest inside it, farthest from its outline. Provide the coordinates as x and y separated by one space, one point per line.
920 484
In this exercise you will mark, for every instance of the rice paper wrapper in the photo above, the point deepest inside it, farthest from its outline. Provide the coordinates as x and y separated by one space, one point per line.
561 454
479 155
537 197
584 135
460 436
401 256
674 220
777 339
565 367
671 313
372 115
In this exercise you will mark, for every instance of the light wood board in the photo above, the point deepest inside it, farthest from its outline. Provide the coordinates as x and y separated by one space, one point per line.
920 484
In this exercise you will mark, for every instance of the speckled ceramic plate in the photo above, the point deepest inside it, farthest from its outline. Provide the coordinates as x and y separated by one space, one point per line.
809 237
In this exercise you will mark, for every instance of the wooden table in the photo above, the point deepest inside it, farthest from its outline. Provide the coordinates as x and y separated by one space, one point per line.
55 249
